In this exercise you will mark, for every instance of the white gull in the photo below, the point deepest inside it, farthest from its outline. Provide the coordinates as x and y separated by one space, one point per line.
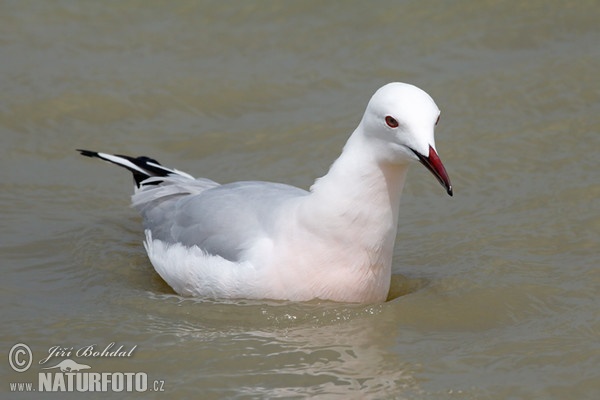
263 240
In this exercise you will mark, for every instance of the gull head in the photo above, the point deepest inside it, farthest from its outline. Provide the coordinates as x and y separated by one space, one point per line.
399 122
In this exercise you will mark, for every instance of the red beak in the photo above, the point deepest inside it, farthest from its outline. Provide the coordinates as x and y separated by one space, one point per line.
435 166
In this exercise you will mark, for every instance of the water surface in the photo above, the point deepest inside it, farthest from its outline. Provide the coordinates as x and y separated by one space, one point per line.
497 286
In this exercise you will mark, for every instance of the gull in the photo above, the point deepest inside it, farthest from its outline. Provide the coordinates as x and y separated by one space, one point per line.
264 240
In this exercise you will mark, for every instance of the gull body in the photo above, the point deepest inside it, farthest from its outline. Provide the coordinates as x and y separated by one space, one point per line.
263 240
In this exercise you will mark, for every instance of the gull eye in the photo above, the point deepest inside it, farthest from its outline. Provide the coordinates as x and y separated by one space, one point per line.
437 121
391 122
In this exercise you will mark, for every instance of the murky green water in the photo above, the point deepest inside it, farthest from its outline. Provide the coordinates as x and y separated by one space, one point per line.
499 284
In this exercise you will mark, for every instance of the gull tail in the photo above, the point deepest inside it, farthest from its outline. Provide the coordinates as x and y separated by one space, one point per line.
142 168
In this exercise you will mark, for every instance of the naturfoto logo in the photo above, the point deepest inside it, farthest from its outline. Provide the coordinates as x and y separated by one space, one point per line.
63 374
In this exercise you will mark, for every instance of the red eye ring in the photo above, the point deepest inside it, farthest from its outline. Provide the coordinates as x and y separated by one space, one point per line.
437 121
391 122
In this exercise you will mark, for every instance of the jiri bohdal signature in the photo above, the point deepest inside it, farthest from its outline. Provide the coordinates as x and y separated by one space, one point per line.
92 351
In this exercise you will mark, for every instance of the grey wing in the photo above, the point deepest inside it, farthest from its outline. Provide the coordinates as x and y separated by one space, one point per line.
222 220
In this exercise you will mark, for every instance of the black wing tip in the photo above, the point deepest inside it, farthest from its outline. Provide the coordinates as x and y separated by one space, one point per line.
88 153
148 167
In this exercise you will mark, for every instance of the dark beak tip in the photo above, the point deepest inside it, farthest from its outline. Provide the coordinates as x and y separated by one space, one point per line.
433 163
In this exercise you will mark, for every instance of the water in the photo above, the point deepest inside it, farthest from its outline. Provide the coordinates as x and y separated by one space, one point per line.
496 293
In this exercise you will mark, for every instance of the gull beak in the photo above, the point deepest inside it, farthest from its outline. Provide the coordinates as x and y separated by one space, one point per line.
435 166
